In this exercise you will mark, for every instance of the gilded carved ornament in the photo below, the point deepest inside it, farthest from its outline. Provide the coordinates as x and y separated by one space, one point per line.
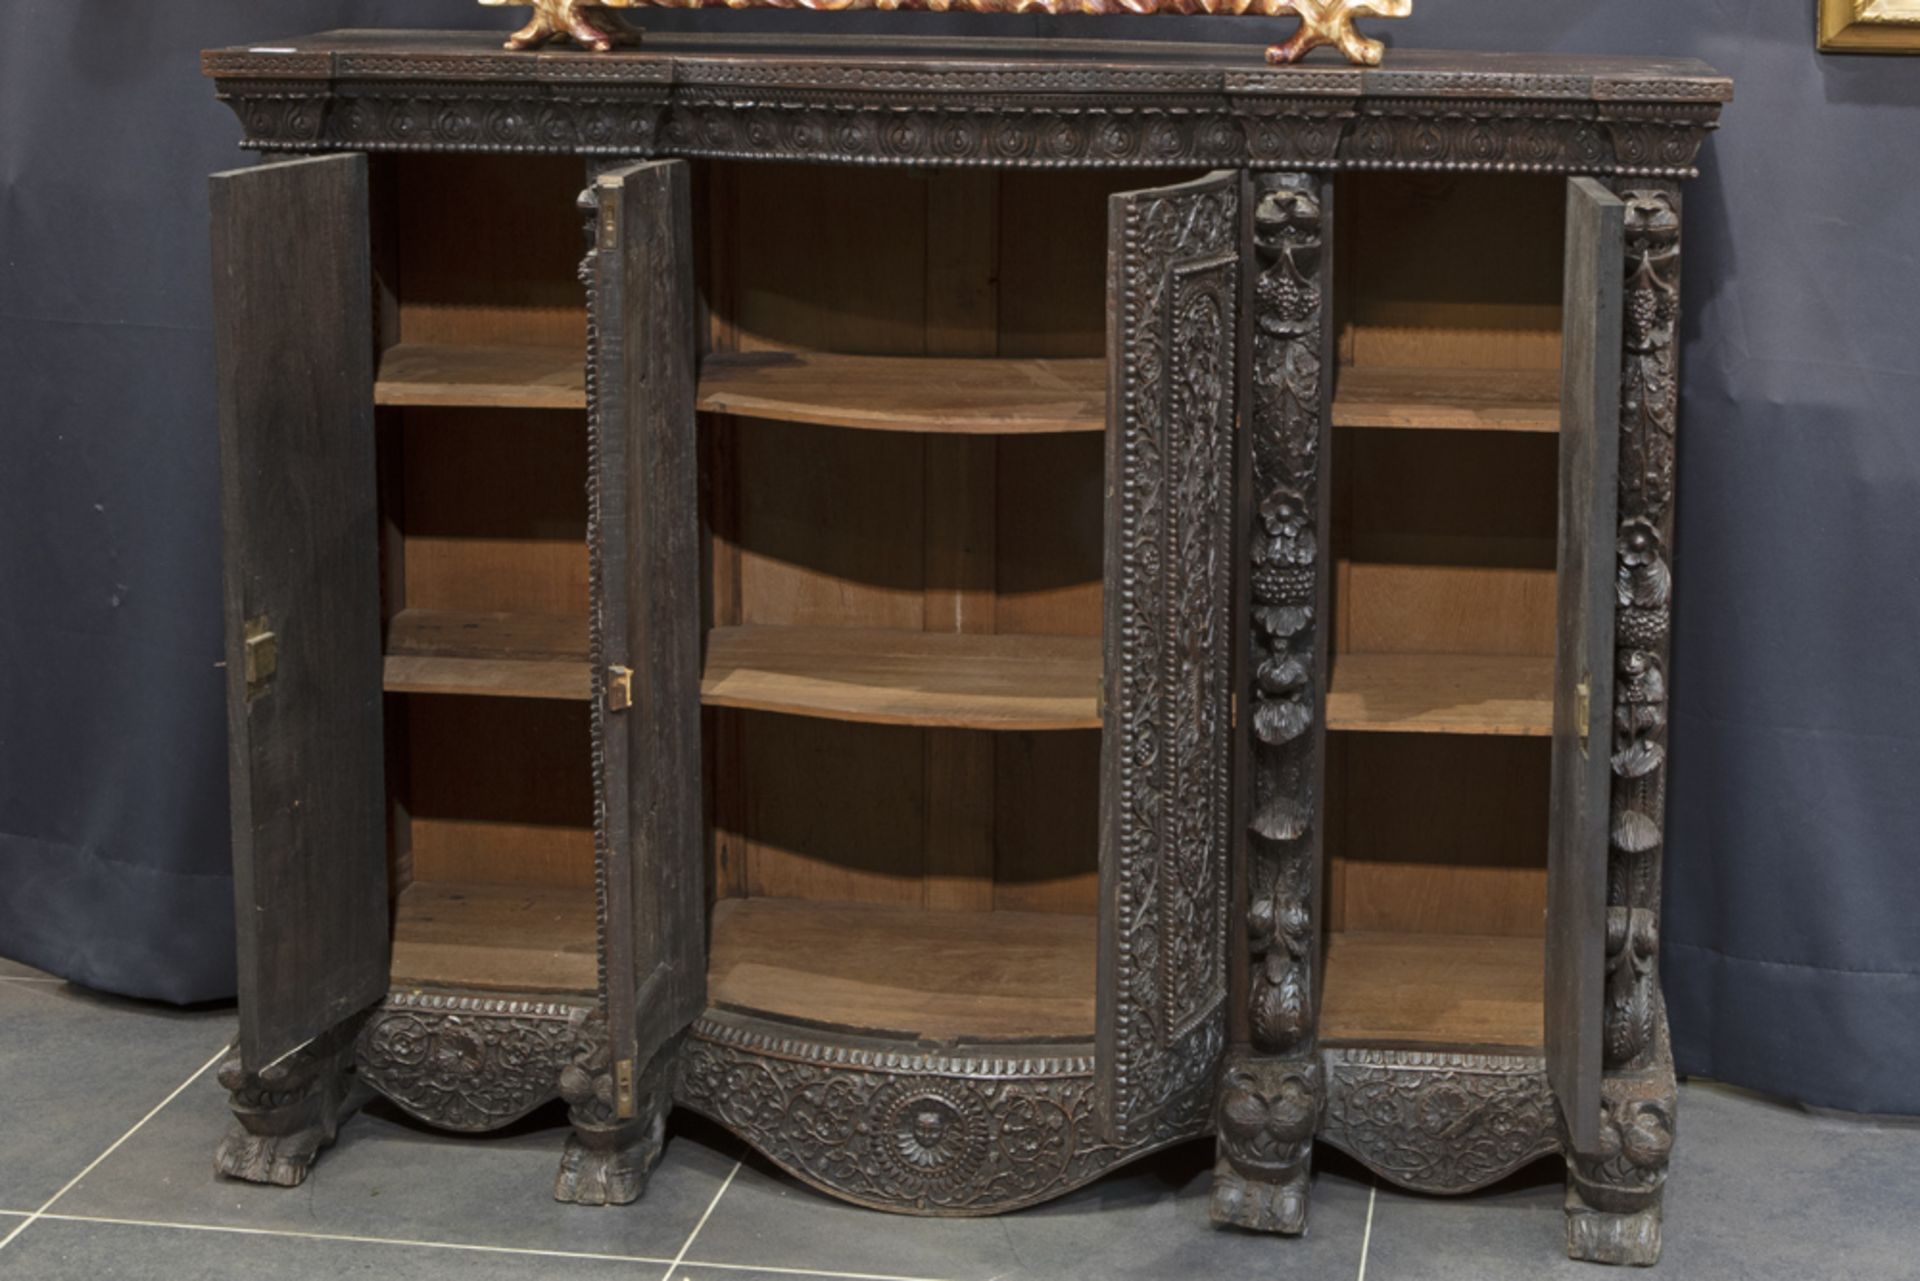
1322 22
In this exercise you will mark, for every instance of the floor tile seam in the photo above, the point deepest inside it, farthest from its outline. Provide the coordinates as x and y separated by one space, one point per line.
349 1238
694 1235
1366 1233
113 1147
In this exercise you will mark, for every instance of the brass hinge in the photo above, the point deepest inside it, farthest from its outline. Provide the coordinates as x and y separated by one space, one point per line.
1583 711
619 688
609 224
261 650
623 1088
1234 722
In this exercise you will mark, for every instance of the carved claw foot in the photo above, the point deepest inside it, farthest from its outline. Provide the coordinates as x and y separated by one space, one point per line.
284 1115
590 27
1269 1112
1595 1235
608 1158
1261 1205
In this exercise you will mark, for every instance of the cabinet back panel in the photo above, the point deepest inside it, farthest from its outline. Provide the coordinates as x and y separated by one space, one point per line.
1456 271
478 812
494 510
485 249
1437 834
1048 535
1444 542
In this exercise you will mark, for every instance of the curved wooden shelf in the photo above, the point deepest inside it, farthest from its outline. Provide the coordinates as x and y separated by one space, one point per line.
459 375
970 396
1447 399
890 677
941 976
1441 694
433 651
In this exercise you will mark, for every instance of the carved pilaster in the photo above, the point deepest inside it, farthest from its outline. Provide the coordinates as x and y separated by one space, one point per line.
285 1113
1613 1203
1274 1088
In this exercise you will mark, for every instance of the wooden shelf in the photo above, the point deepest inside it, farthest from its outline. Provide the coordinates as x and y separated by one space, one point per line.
941 976
484 377
1441 694
1447 399
492 655
500 938
909 393
890 677
1461 991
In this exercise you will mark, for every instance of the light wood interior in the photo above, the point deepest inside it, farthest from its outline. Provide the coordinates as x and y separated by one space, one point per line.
1443 530
483 460
941 976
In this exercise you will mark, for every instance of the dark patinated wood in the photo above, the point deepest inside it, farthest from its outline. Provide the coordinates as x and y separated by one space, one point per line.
1167 769
1272 1092
1583 677
1324 614
302 597
645 643
958 102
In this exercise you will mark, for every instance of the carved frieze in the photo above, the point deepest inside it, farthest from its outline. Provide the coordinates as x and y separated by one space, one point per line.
467 1062
1439 1122
899 1129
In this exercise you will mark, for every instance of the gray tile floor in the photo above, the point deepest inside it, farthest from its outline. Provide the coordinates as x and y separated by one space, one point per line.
111 1113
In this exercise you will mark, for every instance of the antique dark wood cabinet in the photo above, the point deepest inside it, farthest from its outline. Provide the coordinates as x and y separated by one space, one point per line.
1027 602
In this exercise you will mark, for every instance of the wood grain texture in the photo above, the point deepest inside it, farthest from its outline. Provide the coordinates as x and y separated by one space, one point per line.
1447 399
645 491
482 376
487 677
1432 991
476 812
495 938
943 976
293 342
967 395
489 654
890 677
1441 694
1583 738
1437 833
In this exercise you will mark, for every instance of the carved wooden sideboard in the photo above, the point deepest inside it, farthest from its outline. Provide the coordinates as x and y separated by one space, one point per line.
1028 601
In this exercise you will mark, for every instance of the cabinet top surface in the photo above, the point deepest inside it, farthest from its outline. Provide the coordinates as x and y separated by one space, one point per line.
963 63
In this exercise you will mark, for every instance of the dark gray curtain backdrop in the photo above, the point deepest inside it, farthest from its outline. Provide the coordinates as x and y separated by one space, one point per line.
1792 937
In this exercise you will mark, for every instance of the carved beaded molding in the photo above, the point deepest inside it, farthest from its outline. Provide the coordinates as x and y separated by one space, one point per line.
912 1129
1044 116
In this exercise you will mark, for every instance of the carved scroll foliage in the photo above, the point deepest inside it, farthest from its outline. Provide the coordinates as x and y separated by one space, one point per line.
1169 731
1287 429
1440 1122
468 1063
899 1131
1648 406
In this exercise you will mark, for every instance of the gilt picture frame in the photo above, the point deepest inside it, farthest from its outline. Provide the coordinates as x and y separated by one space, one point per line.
1870 26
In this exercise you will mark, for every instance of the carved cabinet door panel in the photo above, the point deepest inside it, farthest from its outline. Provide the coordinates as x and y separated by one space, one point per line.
294 344
1583 669
1168 765
645 566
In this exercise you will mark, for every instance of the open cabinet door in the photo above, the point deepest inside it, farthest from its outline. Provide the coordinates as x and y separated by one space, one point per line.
1171 629
1583 669
293 335
644 520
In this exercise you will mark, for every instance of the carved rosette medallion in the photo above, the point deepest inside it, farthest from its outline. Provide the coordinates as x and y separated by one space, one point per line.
1169 724
1440 1122
468 1063
901 1129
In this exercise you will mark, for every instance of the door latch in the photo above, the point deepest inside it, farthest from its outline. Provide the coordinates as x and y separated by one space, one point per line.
1583 711
623 1089
619 688
261 654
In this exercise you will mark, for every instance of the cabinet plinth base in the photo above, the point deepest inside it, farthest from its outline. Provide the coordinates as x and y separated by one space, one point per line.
1269 1111
1606 1236
609 1158
284 1115
913 1129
